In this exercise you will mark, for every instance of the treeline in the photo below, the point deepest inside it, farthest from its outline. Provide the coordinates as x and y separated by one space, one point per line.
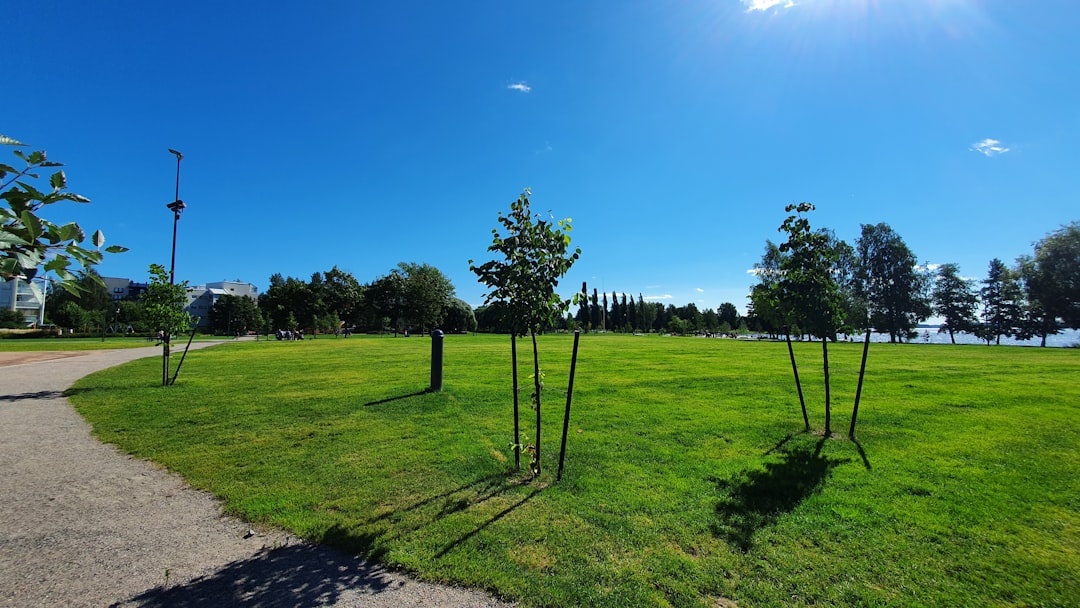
878 285
622 313
410 298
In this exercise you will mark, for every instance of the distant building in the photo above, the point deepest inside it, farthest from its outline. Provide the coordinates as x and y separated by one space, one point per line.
124 289
202 298
25 297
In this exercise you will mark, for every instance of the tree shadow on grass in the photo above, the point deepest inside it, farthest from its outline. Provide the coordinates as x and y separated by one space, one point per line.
397 398
753 500
373 536
294 575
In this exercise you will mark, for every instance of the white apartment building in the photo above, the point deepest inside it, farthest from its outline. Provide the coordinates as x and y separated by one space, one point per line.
203 297
24 296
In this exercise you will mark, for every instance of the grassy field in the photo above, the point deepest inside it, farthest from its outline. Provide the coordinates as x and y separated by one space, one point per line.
688 477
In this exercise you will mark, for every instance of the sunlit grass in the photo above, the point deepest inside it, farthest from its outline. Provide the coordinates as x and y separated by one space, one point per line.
688 477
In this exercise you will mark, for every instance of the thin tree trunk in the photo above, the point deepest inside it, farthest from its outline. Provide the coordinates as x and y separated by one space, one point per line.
858 391
536 387
952 338
517 428
798 385
828 411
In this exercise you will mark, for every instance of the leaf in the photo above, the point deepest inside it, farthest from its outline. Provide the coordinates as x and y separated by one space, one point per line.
7 239
7 141
32 225
58 180
116 249
99 238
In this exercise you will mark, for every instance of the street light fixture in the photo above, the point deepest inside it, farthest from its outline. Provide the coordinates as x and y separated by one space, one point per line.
177 207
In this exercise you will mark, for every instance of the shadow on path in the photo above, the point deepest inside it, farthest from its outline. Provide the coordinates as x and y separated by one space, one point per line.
35 395
754 500
295 575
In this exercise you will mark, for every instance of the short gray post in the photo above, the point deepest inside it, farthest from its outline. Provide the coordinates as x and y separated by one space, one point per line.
436 360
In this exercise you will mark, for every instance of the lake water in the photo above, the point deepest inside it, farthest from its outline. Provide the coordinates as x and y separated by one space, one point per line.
930 335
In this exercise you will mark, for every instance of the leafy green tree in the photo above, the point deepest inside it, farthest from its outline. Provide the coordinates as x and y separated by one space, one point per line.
1003 302
69 314
11 319
889 282
427 292
386 297
808 287
954 301
459 317
163 308
131 316
728 314
235 314
765 302
342 295
1052 282
28 240
288 303
534 255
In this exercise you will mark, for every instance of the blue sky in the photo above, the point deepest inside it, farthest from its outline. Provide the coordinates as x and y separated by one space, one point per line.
364 134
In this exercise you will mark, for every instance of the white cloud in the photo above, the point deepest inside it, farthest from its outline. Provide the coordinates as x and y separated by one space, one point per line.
666 296
989 147
764 5
699 290
520 86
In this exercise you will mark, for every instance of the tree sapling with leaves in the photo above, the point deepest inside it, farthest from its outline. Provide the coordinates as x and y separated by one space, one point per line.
535 254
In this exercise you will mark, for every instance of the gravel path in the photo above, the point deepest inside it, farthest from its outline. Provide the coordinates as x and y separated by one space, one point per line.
82 524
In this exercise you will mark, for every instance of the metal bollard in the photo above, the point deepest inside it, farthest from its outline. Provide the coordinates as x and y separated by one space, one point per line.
436 360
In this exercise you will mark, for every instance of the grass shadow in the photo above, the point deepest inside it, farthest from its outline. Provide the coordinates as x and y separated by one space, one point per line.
862 454
754 500
494 518
294 575
370 537
398 398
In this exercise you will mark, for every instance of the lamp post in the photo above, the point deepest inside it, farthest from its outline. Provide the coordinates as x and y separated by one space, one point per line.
177 207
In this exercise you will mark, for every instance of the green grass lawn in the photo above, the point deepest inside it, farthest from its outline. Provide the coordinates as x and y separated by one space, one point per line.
688 477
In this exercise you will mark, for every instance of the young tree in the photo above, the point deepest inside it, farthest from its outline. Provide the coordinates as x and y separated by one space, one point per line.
808 288
535 254
954 301
163 309
889 282
28 240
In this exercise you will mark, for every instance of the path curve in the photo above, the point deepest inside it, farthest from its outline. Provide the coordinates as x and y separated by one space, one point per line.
82 524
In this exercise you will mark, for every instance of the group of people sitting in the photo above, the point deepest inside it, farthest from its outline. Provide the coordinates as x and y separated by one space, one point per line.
288 334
